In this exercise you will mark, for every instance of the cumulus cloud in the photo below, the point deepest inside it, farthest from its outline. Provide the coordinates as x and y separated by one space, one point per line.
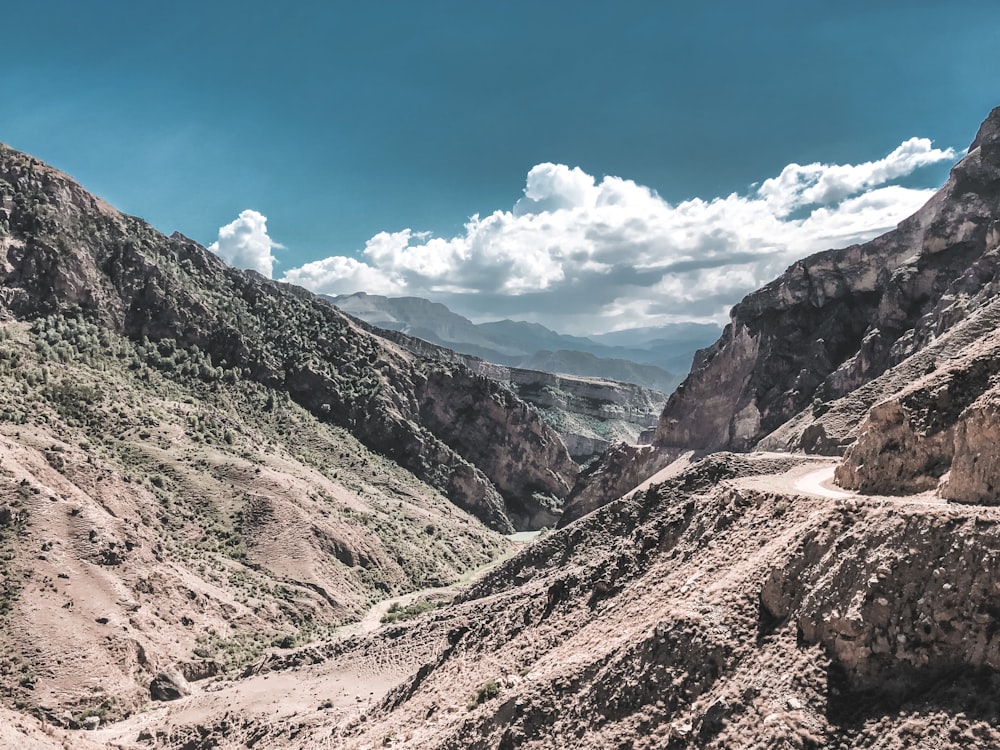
812 184
244 243
583 255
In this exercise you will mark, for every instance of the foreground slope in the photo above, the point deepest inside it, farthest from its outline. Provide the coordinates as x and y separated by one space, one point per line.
842 622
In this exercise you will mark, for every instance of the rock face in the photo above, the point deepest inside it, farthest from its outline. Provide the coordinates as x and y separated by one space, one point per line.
168 686
876 350
590 414
839 319
908 441
503 436
974 476
65 250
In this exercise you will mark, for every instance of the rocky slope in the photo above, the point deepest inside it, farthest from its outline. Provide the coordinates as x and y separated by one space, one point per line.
197 464
839 319
66 251
589 414
640 627
876 349
153 521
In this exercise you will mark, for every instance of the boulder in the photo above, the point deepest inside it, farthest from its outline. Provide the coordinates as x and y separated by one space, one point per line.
168 686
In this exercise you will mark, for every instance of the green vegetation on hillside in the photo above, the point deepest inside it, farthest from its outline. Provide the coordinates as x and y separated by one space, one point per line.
212 451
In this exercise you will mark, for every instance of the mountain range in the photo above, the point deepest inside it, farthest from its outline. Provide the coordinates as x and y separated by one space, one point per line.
650 357
232 516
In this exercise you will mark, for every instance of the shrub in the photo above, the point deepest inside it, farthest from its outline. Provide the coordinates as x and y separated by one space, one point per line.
488 691
408 612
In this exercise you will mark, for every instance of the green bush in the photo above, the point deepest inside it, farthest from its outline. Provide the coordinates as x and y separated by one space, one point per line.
397 613
488 691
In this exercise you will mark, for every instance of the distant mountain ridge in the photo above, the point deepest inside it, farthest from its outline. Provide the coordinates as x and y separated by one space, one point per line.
650 357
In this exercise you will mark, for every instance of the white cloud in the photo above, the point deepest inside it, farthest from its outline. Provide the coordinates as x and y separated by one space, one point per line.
813 184
587 256
244 243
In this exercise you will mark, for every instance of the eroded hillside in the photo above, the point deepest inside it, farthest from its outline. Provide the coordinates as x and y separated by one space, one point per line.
67 252
198 464
153 519
843 622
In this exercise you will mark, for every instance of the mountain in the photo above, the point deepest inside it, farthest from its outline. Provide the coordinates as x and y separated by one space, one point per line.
882 350
589 414
69 254
840 331
196 461
648 357
716 595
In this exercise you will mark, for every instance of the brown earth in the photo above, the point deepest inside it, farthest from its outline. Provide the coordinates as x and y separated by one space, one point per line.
845 621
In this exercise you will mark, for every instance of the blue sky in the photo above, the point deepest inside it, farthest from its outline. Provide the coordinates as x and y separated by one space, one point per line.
369 133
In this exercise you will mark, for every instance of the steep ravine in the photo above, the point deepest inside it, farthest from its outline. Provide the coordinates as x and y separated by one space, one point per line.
590 414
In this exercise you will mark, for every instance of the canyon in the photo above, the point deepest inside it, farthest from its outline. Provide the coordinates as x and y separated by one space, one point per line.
209 479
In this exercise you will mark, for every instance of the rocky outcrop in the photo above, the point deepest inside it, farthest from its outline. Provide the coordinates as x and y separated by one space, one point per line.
590 414
908 441
168 686
974 476
500 434
896 453
65 251
839 319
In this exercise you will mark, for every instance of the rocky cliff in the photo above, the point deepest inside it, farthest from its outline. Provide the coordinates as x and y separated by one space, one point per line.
838 319
827 357
589 414
877 349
